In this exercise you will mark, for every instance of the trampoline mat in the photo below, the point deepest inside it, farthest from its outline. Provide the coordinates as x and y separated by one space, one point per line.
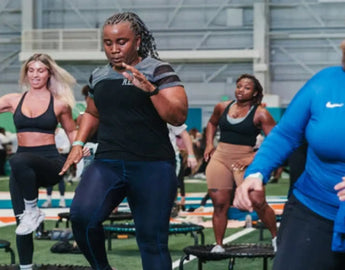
246 250
173 228
120 216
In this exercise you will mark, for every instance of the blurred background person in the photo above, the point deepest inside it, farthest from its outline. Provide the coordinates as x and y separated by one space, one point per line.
184 159
4 141
240 121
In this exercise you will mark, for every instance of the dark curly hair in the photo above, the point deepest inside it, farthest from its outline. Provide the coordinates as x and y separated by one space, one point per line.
257 87
148 44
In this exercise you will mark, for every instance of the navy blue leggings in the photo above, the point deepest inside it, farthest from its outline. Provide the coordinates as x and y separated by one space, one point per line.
150 188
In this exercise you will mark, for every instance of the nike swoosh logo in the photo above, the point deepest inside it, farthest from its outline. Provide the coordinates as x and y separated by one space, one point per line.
334 105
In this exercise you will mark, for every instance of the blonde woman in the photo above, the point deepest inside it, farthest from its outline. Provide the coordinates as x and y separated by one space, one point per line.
47 101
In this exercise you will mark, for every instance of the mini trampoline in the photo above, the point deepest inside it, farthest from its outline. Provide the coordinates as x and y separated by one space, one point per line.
174 228
245 250
7 247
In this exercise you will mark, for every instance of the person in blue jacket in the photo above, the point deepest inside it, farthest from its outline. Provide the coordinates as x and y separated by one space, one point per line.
313 223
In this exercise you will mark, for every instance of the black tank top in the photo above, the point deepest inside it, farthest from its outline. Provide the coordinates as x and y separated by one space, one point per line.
241 133
44 123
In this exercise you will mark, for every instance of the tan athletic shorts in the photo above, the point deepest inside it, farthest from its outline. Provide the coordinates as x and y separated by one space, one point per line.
219 172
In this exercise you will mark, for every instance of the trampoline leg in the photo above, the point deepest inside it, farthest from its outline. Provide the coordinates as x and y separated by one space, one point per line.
202 238
183 258
265 264
196 239
108 234
13 257
199 264
231 263
261 235
58 223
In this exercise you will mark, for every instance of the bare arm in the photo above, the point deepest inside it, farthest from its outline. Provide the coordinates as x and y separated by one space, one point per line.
9 102
88 124
171 103
89 121
191 160
211 128
68 123
264 120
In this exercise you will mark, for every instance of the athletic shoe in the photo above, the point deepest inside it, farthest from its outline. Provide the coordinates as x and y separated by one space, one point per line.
26 267
29 221
274 244
217 249
47 204
62 203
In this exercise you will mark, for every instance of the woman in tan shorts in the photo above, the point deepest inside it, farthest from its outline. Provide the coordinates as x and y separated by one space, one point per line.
239 121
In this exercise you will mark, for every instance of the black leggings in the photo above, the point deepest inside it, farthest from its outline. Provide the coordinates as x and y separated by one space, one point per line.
31 168
304 240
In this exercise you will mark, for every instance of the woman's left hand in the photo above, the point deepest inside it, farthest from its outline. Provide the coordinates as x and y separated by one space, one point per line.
191 161
242 163
86 151
340 187
137 78
75 155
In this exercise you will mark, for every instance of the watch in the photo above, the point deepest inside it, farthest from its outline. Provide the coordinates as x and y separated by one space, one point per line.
154 92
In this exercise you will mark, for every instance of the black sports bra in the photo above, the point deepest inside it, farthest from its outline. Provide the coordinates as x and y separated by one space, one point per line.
44 123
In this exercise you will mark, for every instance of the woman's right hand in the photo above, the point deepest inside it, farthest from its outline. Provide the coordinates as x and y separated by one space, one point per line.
340 188
209 150
74 157
242 200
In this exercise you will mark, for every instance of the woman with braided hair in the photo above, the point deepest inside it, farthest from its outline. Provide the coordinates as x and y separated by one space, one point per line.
135 93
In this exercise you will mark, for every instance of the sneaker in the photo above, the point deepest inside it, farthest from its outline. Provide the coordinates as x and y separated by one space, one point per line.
62 203
199 209
47 204
274 244
29 221
199 175
217 249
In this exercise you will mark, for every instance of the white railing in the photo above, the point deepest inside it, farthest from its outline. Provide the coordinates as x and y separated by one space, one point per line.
86 45
61 40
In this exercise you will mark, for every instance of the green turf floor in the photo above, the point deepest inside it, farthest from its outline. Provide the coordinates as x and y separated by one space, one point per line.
124 254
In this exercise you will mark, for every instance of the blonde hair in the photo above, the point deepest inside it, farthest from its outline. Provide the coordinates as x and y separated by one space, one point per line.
60 82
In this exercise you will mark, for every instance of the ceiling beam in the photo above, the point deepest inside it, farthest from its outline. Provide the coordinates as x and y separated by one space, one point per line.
187 56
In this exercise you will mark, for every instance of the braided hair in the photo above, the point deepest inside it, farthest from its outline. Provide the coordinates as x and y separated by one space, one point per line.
147 44
257 87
